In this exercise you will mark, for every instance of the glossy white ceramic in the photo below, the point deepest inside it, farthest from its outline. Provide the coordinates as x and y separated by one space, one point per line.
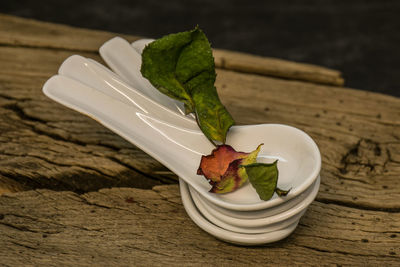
258 214
259 222
97 76
226 235
180 149
205 211
126 62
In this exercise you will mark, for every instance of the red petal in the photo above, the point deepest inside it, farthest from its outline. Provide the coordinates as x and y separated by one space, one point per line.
214 166
230 181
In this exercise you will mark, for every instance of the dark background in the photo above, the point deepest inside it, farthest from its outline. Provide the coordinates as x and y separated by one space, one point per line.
360 38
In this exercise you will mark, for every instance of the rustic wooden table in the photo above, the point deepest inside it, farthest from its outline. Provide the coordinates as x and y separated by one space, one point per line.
74 193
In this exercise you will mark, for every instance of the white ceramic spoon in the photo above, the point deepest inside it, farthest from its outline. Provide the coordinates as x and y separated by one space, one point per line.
226 235
126 62
140 44
180 149
95 75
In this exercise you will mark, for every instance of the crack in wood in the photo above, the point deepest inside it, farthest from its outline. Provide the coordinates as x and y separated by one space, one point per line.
98 172
38 183
148 250
19 228
23 245
27 121
345 253
356 206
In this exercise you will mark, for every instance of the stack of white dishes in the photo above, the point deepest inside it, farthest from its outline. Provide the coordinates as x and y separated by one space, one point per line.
129 105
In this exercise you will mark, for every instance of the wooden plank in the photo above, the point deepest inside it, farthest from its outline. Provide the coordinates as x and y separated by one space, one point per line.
273 67
355 220
63 228
16 31
359 144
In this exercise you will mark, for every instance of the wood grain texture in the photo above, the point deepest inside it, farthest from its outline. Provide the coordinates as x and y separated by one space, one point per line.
57 228
31 33
71 157
359 144
16 31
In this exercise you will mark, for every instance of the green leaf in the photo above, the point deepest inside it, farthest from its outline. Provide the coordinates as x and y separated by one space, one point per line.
181 65
281 192
159 60
264 178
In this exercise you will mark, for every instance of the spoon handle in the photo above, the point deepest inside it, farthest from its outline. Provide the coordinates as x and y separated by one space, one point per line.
126 62
169 144
140 44
95 75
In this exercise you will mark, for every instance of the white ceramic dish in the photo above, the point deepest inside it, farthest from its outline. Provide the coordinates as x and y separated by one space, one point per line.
225 235
299 158
204 210
259 214
259 222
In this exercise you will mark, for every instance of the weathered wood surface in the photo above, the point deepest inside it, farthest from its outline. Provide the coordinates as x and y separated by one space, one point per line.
44 145
136 227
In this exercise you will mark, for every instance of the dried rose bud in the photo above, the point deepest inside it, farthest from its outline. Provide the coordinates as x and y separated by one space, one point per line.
224 168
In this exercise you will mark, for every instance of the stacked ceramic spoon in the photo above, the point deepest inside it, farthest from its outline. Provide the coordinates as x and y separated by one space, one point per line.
129 105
